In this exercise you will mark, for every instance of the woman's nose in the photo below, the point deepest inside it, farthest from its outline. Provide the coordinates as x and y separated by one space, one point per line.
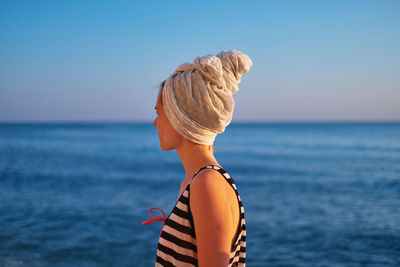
154 122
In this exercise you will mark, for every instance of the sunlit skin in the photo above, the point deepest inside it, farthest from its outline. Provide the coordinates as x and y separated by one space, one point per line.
213 201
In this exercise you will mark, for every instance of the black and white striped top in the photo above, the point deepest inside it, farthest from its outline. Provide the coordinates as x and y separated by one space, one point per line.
177 242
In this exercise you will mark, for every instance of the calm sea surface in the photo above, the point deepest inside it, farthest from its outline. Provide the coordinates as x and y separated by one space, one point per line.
315 194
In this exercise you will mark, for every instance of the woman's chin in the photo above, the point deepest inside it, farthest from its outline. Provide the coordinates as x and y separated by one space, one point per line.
162 147
165 148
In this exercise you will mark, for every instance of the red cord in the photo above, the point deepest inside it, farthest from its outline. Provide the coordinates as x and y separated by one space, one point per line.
158 218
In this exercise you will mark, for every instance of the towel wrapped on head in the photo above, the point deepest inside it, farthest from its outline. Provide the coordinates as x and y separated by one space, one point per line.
197 98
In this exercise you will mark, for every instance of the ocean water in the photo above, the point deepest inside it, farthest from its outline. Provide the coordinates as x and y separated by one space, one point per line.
315 194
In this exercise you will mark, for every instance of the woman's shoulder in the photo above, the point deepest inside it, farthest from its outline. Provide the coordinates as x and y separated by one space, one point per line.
211 184
214 205
209 177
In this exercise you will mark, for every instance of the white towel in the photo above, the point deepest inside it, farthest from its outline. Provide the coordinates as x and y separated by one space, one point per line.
197 98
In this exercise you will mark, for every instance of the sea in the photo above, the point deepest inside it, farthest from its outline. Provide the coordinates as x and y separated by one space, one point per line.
314 193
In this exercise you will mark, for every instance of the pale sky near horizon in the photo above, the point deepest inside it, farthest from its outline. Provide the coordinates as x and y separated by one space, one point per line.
103 60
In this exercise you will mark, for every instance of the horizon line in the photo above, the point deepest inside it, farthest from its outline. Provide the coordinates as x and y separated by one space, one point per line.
233 122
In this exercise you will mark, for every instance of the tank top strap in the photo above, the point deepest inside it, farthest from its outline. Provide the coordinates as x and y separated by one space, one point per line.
202 168
223 172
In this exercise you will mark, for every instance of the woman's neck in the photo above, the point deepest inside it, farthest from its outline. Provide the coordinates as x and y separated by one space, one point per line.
194 157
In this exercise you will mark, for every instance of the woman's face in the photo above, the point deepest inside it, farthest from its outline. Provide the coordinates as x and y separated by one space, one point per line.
169 138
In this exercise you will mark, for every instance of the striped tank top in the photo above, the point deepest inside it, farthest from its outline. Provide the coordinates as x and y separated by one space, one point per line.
177 242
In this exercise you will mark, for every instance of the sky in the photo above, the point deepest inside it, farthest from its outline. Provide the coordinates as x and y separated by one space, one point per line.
63 61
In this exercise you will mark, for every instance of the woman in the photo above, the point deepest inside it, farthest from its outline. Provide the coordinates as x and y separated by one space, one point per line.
206 227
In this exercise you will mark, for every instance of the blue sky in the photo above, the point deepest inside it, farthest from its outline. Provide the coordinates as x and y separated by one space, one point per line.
103 60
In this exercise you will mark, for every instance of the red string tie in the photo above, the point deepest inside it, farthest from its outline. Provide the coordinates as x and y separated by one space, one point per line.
157 218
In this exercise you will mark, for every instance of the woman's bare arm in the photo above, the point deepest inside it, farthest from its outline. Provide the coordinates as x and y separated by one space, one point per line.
213 223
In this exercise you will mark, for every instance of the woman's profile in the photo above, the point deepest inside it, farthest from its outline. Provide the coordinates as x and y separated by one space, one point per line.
206 226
